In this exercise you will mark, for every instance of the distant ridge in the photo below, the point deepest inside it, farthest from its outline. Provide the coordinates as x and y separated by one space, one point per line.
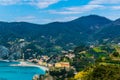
84 29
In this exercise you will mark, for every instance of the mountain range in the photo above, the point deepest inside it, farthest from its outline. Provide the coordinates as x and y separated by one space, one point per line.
86 29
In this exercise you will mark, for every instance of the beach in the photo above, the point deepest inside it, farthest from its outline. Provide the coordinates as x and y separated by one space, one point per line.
28 64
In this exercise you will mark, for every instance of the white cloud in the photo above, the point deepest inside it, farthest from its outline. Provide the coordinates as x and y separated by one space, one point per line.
62 12
77 9
115 7
60 19
26 18
9 2
84 8
92 5
95 2
64 19
34 19
38 3
110 4
46 3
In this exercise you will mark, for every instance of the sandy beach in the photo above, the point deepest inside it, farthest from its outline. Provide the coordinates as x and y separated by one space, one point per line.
28 64
4 60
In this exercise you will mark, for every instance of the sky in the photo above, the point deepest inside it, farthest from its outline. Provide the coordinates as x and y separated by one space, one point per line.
46 11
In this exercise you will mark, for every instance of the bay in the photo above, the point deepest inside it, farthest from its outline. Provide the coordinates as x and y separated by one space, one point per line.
8 72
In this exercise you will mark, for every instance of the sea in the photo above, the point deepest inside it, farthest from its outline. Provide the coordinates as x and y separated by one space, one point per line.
8 72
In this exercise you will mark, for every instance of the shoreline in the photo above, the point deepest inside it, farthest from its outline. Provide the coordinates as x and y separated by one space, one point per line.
4 60
28 64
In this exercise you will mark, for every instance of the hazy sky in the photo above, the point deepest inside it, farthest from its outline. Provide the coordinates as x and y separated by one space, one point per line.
45 11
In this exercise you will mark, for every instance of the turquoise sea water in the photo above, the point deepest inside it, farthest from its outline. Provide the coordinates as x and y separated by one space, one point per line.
8 72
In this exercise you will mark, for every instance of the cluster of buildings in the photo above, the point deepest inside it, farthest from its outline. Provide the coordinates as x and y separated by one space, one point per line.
43 61
56 65
55 60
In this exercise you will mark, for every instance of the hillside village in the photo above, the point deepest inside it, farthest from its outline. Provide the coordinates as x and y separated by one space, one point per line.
74 64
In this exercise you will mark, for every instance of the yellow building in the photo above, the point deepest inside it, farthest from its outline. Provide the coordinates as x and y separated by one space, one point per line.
58 65
62 65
